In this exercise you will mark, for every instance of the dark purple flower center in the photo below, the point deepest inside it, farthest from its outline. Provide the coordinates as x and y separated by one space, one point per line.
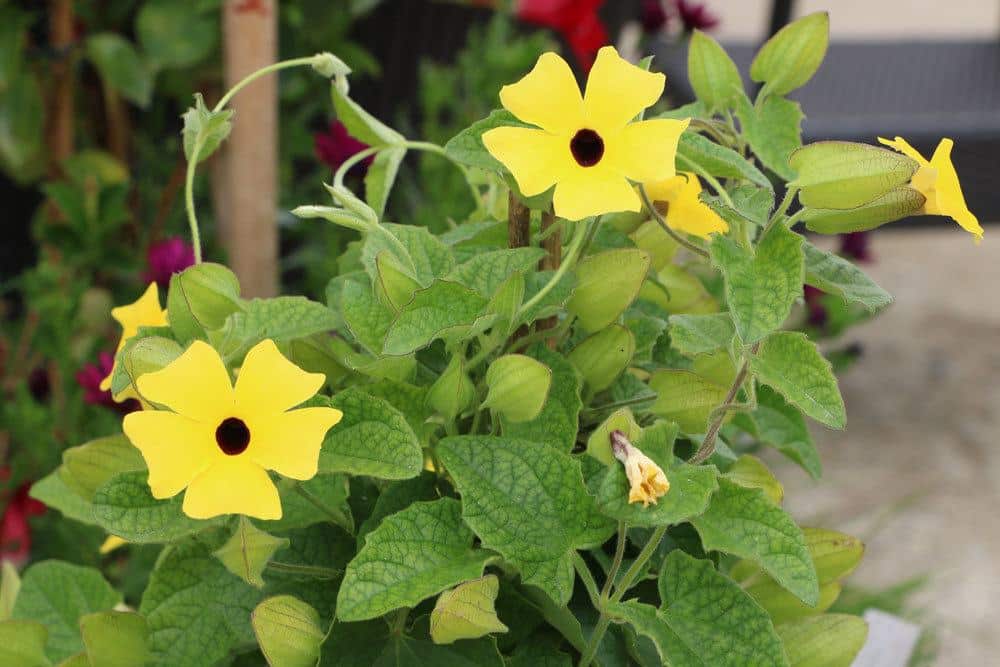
233 436
587 148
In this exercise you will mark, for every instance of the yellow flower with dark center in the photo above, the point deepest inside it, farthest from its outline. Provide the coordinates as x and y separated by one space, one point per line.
220 440
587 146
646 479
937 180
144 312
677 199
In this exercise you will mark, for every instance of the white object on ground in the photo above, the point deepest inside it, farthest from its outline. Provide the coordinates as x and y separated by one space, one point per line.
890 643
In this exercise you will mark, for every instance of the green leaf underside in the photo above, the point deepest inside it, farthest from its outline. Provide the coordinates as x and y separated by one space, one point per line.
282 318
830 640
443 308
743 522
558 422
412 555
836 275
486 272
782 426
792 365
696 334
125 507
528 502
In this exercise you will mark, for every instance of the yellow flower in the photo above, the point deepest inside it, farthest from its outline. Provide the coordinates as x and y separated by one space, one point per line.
646 479
110 544
220 440
684 211
938 182
144 312
587 146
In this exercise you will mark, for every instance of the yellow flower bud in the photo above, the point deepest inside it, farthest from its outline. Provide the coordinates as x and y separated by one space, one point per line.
646 479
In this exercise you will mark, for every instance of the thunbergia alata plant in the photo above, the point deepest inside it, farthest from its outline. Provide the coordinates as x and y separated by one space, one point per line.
488 447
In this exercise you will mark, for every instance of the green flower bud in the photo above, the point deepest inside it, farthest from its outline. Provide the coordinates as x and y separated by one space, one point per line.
599 442
329 65
518 387
606 284
394 286
200 299
603 356
141 356
893 205
846 175
453 392
661 247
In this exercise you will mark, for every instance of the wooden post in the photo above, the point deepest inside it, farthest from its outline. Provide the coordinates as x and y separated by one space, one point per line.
59 124
553 258
250 233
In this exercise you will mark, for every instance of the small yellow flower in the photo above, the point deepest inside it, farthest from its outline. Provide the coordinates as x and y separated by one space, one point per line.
677 199
646 479
144 312
938 182
588 146
112 543
220 440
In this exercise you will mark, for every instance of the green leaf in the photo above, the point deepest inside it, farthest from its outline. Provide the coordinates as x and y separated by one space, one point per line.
791 364
125 507
412 555
187 577
298 512
773 129
87 467
518 387
201 298
22 129
713 617
538 654
380 177
830 640
844 174
712 73
57 594
467 611
487 271
374 643
717 160
394 285
782 426
893 205
115 638
750 472
553 302
607 283
429 257
212 126
367 317
761 287
372 438
142 355
55 493
173 35
248 550
362 125
743 522
603 356
558 422
686 398
649 622
836 275
396 497
22 644
696 334
793 54
467 146
442 309
281 319
288 631
121 67
599 441
10 586
527 501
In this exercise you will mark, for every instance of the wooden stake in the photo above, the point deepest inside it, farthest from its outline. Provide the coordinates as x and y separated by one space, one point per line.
250 233
59 128
553 258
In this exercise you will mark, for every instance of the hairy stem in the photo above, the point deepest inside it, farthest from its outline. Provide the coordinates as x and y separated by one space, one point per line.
335 516
663 224
579 234
708 444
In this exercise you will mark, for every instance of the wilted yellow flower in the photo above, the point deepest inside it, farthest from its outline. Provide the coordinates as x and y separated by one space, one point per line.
588 146
937 180
677 199
220 440
144 312
646 479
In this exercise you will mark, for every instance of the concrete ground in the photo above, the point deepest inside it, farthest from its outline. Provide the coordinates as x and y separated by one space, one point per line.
916 471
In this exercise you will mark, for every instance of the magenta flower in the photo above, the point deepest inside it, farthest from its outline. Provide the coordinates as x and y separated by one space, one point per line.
165 258
814 303
15 533
653 16
90 377
855 246
336 145
695 16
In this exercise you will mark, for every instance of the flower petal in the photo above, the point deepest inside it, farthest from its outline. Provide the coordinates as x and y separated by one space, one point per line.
547 96
645 151
617 91
195 384
268 383
235 485
901 145
950 200
176 449
594 191
535 158
143 312
290 442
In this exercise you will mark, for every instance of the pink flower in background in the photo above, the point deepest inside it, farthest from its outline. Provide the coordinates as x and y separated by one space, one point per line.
695 16
653 17
165 258
15 533
336 145
90 377
856 246
814 303
577 21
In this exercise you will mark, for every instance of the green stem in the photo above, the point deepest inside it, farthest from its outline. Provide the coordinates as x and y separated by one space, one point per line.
616 564
305 570
345 166
199 144
663 224
711 180
336 517
708 444
781 210
579 234
588 579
